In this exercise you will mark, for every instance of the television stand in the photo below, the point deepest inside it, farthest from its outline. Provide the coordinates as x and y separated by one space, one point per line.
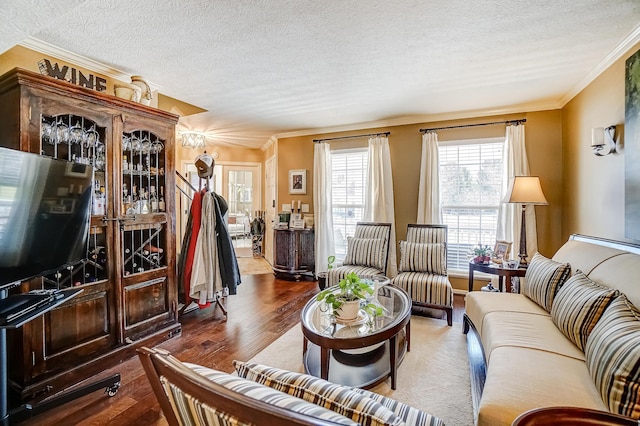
26 411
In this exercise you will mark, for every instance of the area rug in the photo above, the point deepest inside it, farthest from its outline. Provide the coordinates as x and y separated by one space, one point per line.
254 265
433 377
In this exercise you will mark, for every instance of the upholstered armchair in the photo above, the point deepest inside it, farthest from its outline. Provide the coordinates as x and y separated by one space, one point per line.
422 272
367 252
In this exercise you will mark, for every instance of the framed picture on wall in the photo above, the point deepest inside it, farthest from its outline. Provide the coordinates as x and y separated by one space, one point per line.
298 181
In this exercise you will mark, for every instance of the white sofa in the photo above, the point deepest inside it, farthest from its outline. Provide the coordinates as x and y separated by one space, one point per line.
528 361
239 225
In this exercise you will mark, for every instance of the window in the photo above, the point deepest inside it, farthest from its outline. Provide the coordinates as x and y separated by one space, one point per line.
470 191
349 175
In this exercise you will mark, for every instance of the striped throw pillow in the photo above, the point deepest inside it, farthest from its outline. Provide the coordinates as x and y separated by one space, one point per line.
613 357
578 306
543 278
366 252
410 415
193 411
191 408
423 257
340 399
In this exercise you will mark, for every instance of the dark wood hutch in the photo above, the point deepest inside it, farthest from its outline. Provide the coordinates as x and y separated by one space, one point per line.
129 296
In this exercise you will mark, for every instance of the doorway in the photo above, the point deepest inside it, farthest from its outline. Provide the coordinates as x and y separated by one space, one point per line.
240 185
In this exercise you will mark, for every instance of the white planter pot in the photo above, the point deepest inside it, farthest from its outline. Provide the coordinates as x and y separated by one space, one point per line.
348 311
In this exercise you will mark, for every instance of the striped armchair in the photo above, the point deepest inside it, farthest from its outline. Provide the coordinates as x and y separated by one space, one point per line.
423 268
367 252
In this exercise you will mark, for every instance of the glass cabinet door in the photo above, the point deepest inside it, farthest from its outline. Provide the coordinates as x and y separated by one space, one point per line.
143 233
143 168
77 139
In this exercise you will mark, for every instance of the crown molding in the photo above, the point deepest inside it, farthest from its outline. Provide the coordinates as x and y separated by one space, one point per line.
427 118
623 47
272 140
81 61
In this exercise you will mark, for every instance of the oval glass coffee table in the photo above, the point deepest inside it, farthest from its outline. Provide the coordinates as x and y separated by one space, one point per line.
361 353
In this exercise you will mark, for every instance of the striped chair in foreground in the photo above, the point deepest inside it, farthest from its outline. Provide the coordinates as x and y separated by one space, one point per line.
367 253
423 268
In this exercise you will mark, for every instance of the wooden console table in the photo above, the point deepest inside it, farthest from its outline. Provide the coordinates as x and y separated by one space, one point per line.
294 252
495 269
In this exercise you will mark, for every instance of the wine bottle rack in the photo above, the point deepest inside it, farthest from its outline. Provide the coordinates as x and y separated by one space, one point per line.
92 269
142 248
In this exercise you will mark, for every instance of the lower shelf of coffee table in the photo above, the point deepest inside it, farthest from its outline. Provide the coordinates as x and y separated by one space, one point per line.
361 368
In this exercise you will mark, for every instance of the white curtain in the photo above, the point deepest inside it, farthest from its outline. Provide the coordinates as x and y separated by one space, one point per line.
378 200
509 215
429 210
323 219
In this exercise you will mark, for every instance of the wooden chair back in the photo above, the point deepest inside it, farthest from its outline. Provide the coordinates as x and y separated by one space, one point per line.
159 363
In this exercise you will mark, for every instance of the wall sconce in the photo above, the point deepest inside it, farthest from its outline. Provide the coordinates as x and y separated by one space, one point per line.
603 140
193 140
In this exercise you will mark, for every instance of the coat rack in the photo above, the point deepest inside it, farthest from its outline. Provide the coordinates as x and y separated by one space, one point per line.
205 164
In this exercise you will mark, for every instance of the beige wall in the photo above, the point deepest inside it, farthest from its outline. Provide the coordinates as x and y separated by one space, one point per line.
594 186
543 139
225 154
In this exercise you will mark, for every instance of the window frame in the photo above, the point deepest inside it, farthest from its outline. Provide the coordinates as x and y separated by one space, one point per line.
363 151
457 269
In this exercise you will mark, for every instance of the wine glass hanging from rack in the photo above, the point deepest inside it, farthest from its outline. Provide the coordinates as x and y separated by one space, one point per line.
142 173
73 138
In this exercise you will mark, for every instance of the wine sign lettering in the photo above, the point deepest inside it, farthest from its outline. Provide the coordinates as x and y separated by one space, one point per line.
72 75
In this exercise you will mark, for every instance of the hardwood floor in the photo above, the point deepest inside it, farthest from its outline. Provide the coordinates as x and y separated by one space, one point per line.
263 309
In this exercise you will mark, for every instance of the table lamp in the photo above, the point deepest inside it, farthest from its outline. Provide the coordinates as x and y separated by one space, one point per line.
524 190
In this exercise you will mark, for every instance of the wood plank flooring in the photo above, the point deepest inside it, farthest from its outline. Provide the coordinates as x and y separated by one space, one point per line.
263 309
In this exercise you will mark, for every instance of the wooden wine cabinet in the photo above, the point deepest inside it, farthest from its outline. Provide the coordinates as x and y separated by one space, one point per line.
129 296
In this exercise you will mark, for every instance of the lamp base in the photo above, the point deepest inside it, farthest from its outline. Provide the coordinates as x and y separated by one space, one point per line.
523 238
523 262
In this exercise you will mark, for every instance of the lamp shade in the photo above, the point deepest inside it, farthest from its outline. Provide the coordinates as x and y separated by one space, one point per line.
525 190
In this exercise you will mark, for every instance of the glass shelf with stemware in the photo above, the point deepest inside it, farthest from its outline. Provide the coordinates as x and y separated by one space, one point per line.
77 139
142 173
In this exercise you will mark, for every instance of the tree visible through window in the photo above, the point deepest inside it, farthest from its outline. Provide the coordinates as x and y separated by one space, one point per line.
470 192
348 176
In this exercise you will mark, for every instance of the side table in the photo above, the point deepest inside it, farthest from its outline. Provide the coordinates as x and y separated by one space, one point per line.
495 269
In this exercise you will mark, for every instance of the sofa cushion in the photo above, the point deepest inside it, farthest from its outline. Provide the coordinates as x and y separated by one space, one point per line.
525 330
478 304
543 278
426 288
366 252
613 357
423 257
578 306
521 379
340 399
187 404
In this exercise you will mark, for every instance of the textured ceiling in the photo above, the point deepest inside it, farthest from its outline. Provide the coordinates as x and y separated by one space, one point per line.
264 67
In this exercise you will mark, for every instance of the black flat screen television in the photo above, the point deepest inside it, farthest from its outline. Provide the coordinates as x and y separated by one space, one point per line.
45 213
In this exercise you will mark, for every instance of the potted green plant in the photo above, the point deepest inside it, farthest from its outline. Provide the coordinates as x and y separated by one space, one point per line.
345 302
482 254
322 276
